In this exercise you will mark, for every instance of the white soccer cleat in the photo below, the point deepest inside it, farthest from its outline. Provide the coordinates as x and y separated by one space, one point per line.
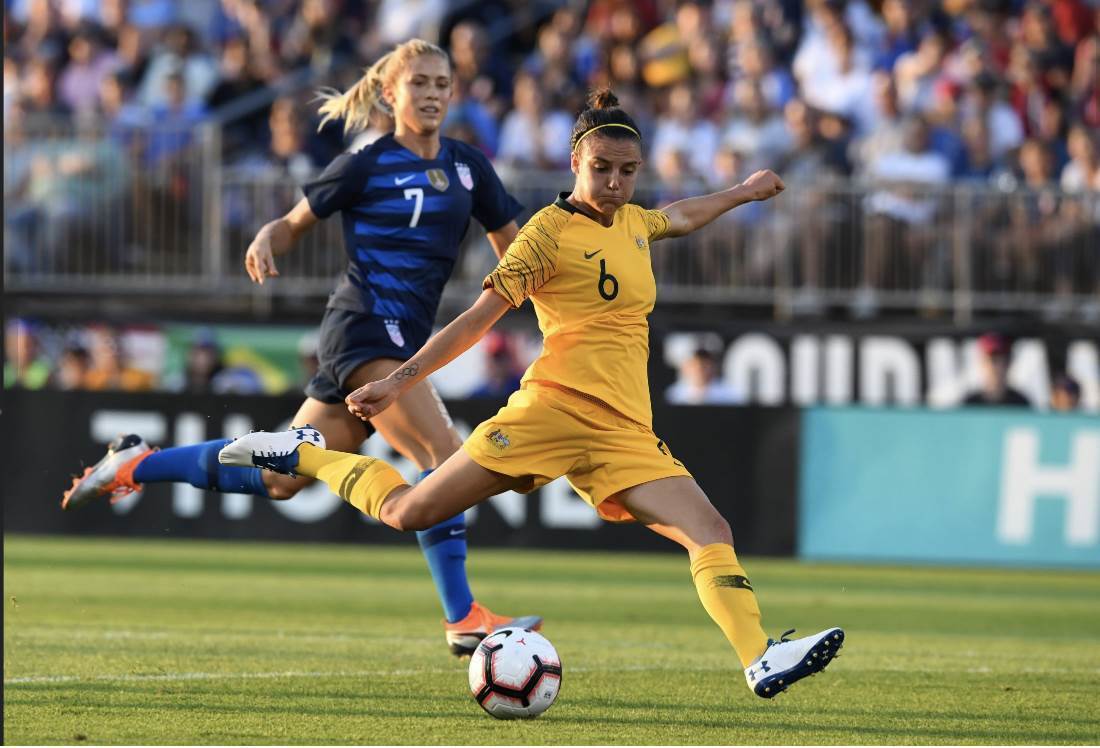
112 476
272 450
787 661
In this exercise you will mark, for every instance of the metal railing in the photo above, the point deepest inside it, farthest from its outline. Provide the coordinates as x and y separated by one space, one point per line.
113 210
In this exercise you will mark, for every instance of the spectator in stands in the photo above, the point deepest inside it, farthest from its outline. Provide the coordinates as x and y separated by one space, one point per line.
900 35
488 80
708 77
700 382
683 130
24 364
202 363
1065 394
978 163
40 34
180 58
888 131
206 371
470 121
995 391
534 134
1082 173
842 85
553 64
110 367
811 159
982 100
502 370
1034 234
1052 58
320 38
39 93
902 212
918 71
239 73
756 130
288 156
133 55
1029 93
755 60
72 369
586 49
1084 88
89 63
172 122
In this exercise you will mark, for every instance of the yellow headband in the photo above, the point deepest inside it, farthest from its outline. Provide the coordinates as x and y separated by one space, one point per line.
597 127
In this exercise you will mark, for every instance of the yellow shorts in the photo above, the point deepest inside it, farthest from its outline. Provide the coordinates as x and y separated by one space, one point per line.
544 433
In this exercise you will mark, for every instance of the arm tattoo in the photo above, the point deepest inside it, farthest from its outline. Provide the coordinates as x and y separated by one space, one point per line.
408 371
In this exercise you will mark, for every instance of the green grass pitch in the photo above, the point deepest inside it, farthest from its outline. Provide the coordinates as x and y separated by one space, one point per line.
133 642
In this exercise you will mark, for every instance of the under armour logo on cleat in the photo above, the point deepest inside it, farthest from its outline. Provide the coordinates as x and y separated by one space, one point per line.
764 666
303 435
752 675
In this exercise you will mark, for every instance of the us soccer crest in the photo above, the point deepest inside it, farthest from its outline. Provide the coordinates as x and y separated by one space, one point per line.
393 327
464 175
498 439
438 178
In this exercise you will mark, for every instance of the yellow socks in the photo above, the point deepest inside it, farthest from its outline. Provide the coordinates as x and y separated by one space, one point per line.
728 598
363 482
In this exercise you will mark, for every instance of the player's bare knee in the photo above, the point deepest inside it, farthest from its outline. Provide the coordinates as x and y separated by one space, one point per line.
723 533
405 516
714 529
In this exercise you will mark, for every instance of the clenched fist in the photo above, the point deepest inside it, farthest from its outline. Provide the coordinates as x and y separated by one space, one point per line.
763 185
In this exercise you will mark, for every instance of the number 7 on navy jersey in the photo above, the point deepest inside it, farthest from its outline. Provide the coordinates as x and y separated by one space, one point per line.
418 193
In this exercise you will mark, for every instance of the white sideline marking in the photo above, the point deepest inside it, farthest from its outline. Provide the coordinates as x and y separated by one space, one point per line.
154 677
306 674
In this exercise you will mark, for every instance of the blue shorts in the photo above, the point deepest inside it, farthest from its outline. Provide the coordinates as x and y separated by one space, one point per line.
350 339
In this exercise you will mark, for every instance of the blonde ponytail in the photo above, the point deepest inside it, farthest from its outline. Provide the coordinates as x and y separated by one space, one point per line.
355 105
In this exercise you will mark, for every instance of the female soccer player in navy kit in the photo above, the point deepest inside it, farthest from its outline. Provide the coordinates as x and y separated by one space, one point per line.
405 203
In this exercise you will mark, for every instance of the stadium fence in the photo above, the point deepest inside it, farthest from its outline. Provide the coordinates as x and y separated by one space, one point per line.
108 208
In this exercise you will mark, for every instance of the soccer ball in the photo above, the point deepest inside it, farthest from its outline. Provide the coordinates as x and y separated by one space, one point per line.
515 673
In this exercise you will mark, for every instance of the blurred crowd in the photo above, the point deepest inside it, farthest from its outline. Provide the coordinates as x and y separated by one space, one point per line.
905 96
217 360
207 360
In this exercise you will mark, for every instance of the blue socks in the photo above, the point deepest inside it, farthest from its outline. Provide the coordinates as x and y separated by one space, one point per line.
444 548
198 465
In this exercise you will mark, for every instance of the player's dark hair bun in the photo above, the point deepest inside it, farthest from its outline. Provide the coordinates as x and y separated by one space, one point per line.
603 110
602 98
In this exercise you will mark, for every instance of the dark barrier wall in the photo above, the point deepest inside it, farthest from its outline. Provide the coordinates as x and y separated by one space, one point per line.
746 459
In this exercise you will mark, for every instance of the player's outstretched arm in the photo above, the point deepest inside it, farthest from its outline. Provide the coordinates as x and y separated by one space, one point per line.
277 238
695 212
451 342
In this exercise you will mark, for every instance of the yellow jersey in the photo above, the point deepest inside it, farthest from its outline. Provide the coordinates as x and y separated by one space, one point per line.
592 287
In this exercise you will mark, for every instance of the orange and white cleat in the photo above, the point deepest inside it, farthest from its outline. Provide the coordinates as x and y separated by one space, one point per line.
464 636
112 476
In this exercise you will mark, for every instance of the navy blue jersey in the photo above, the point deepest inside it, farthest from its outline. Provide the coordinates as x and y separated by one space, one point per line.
403 218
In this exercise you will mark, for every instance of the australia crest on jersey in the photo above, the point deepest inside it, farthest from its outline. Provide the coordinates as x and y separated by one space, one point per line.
438 179
393 327
639 241
498 439
464 175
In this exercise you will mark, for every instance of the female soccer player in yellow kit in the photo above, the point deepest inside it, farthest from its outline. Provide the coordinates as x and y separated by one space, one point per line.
583 408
